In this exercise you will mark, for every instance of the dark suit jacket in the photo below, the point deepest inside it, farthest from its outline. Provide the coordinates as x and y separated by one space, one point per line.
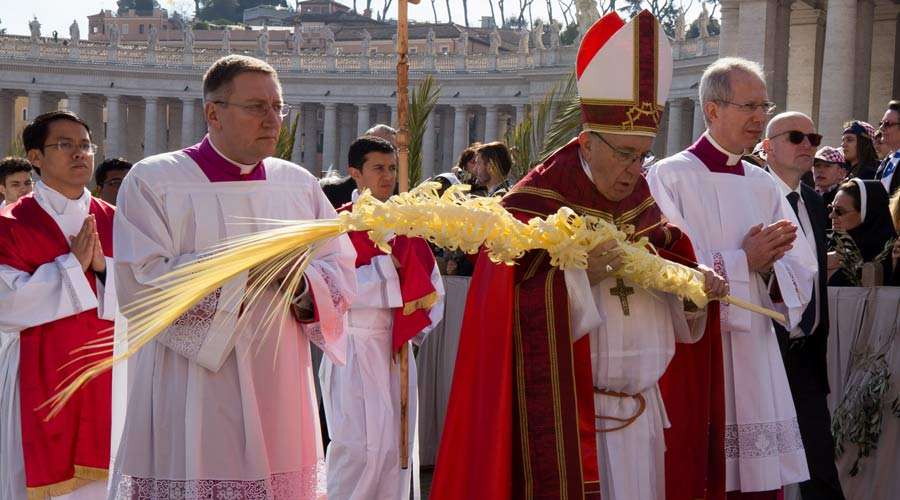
805 360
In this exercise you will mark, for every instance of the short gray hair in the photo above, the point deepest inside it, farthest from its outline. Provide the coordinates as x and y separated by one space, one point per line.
380 129
715 84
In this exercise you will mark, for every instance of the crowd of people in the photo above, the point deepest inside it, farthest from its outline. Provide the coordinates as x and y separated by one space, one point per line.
570 383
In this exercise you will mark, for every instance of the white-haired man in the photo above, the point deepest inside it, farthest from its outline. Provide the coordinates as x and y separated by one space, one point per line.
742 226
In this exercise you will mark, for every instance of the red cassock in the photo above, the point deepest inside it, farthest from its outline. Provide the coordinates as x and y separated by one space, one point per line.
72 448
520 421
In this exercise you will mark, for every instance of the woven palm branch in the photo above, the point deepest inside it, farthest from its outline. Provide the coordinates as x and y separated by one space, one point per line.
422 102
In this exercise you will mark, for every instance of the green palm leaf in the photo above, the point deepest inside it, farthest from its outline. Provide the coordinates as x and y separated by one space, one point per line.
422 102
286 136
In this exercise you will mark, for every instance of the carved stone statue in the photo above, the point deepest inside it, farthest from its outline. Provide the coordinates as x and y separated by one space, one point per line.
296 41
462 47
703 23
226 40
114 36
537 35
679 26
554 36
152 38
586 13
35 28
494 48
188 37
262 42
74 34
429 42
328 37
524 37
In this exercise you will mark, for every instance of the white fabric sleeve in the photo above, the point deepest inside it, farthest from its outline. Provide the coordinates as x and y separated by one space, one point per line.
106 293
378 285
55 290
732 265
688 326
796 271
584 315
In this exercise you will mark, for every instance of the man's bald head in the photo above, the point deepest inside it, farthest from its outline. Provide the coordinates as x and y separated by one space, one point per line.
783 122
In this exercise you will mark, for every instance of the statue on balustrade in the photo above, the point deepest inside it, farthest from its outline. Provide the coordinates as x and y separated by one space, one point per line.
188 37
328 37
296 40
524 37
703 23
494 48
35 28
114 35
554 35
226 40
366 41
462 47
262 42
586 12
679 26
152 38
74 34
537 35
429 42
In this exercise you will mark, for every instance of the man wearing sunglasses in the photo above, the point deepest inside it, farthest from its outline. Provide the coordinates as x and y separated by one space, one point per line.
57 290
790 143
742 226
890 134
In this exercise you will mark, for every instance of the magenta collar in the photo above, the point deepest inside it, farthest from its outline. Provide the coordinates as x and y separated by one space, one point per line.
217 168
715 160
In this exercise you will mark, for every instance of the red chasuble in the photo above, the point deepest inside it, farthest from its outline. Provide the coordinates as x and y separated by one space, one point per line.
416 290
72 448
520 421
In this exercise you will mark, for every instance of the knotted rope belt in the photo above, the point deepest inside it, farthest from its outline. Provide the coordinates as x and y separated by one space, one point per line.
622 422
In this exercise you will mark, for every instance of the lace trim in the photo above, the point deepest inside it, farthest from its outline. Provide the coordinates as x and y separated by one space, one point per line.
314 334
341 304
308 483
70 287
187 333
762 440
719 268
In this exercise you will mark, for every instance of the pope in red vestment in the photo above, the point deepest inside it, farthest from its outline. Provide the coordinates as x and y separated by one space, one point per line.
521 420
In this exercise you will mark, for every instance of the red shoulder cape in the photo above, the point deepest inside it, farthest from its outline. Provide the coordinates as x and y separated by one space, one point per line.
72 448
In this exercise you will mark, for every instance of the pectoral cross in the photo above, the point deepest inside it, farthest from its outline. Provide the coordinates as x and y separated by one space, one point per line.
622 291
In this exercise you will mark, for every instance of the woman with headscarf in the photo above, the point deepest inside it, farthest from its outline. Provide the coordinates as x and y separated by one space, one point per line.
859 150
863 234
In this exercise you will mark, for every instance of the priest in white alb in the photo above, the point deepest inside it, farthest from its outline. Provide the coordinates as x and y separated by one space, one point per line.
222 403
743 227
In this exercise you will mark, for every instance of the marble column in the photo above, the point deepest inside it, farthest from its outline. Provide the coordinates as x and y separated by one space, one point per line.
311 138
836 102
805 59
134 124
90 110
699 123
346 129
428 148
34 104
673 137
162 125
446 138
187 121
862 61
329 137
392 117
7 112
520 113
296 117
491 122
763 31
884 39
113 126
150 118
730 28
362 119
460 129
74 105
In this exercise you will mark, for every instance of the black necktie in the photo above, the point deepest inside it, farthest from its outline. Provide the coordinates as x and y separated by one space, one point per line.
808 320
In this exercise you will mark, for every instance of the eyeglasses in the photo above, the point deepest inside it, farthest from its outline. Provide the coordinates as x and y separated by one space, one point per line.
885 124
838 211
796 137
260 109
767 107
628 157
69 147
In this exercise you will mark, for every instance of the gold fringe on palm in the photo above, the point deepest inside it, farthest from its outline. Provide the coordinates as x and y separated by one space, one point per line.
277 258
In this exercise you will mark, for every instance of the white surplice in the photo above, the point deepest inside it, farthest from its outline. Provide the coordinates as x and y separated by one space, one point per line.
763 448
216 408
362 398
55 290
629 354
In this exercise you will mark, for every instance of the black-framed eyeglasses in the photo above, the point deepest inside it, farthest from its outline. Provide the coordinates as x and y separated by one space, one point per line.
69 147
884 124
628 157
838 211
767 107
796 137
260 109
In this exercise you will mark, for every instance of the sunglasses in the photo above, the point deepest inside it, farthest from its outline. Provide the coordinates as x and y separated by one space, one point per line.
887 124
840 212
796 137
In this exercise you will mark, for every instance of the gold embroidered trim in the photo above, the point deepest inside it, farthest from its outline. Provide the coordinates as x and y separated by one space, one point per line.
83 475
424 303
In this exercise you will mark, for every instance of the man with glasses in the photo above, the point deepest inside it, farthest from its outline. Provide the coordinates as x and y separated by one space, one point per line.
109 177
222 403
890 136
790 141
743 227
56 289
582 342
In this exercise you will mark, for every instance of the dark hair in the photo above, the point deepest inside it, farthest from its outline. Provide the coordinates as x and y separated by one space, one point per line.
467 155
894 105
13 165
108 166
356 156
865 151
227 68
35 133
496 154
852 189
